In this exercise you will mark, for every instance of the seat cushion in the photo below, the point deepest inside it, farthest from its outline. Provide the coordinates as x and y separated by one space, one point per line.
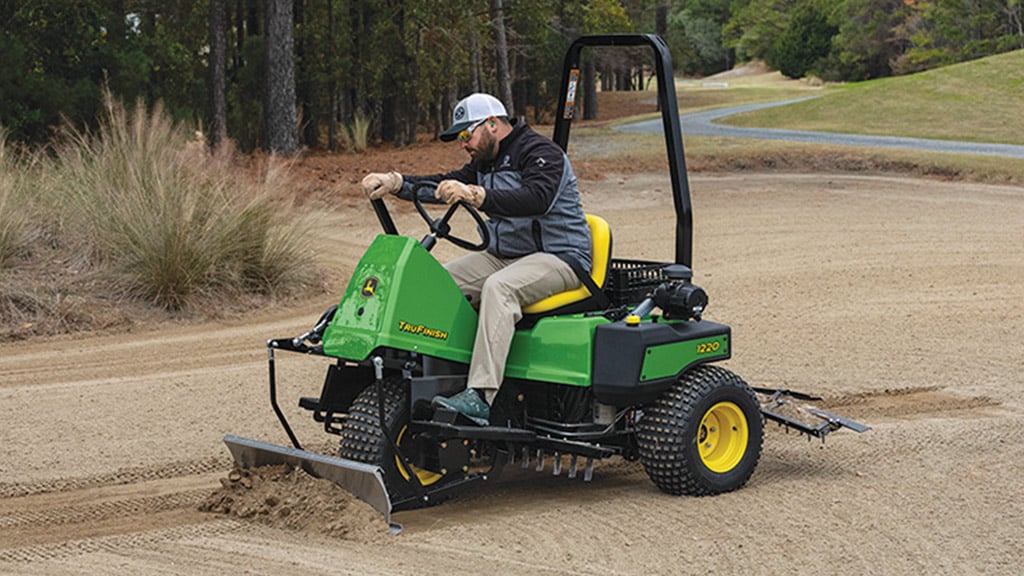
600 256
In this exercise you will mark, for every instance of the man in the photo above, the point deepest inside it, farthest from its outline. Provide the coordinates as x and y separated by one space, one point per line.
540 240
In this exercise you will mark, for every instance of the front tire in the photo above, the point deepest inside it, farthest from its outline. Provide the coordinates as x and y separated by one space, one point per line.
703 436
363 439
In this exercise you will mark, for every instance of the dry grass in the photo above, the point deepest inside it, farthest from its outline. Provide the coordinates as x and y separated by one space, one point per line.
15 221
142 219
355 135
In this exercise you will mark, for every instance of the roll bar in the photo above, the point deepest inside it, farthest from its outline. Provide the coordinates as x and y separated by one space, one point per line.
669 117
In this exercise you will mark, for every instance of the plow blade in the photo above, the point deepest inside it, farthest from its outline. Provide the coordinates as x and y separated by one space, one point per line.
363 481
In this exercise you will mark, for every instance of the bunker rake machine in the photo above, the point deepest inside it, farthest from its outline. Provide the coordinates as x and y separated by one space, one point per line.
624 366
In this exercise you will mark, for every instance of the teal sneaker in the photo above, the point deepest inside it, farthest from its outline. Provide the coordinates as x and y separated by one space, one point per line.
467 403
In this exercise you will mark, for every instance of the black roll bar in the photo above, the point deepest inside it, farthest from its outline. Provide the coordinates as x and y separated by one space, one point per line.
669 117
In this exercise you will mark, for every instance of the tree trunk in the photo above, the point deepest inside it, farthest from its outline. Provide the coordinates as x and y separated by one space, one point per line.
305 86
501 50
332 117
520 94
589 88
218 78
239 27
622 79
475 60
282 131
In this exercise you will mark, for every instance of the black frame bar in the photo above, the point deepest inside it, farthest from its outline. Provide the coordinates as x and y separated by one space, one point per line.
669 115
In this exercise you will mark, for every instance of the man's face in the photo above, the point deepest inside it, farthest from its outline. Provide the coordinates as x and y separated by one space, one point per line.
482 146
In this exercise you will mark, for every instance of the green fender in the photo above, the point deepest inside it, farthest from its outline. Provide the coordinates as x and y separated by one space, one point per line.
401 297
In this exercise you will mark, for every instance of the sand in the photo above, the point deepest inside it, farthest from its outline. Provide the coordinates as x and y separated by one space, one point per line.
897 300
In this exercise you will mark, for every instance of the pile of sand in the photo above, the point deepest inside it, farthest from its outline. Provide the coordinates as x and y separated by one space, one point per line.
286 497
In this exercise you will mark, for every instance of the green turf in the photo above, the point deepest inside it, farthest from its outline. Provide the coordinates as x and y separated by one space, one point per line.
979 101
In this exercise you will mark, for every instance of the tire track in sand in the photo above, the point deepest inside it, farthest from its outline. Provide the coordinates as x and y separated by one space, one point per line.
909 403
121 510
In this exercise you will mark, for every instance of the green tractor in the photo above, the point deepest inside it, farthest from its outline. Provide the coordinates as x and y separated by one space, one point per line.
623 366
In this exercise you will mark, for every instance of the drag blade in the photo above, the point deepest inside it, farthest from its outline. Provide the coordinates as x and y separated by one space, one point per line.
364 481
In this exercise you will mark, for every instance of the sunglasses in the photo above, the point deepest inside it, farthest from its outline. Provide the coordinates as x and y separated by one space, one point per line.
467 133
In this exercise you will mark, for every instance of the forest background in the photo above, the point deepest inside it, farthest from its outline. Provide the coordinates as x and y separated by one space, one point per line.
285 74
114 212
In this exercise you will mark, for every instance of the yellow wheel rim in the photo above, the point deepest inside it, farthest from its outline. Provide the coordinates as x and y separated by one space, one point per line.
722 437
426 477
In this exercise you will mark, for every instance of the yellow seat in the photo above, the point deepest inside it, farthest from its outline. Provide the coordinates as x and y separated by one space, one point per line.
600 256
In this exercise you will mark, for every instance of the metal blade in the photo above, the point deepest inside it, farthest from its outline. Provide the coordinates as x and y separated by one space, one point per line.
364 481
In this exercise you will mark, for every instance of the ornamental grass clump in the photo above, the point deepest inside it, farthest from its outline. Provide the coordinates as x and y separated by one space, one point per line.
169 222
15 207
356 134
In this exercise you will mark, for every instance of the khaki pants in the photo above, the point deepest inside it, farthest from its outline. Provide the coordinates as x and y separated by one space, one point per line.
499 289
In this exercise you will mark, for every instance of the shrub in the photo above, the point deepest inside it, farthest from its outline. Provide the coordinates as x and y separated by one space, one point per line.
806 40
169 221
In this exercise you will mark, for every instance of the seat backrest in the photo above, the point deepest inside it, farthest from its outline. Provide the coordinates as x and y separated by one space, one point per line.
600 257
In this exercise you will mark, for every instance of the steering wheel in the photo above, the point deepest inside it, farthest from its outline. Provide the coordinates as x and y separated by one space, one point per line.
439 228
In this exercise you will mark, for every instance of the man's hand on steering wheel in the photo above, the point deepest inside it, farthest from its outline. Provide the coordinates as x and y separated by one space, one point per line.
452 191
440 228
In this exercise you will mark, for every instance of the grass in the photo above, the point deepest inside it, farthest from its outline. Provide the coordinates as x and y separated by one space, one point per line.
971 101
15 220
976 101
171 221
597 152
355 135
142 215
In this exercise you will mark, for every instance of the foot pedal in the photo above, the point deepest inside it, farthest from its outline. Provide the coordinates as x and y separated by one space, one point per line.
572 466
588 471
557 468
448 416
445 416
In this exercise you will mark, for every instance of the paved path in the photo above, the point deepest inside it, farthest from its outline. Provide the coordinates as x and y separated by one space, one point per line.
702 124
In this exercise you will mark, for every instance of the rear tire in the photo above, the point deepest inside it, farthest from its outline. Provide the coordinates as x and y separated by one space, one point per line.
363 440
703 436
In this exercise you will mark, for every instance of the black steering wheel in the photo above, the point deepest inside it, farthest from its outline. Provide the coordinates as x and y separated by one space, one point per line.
439 228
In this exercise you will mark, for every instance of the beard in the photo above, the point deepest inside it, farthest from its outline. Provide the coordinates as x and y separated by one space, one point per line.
486 149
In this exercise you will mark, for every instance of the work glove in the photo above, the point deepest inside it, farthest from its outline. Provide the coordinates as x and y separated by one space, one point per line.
377 184
452 191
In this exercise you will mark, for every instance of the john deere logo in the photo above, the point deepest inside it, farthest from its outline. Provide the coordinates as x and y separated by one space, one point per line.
369 287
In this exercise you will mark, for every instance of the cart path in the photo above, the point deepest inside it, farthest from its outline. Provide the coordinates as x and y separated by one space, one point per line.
703 124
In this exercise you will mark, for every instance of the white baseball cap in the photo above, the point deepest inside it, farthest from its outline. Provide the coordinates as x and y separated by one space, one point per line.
470 110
